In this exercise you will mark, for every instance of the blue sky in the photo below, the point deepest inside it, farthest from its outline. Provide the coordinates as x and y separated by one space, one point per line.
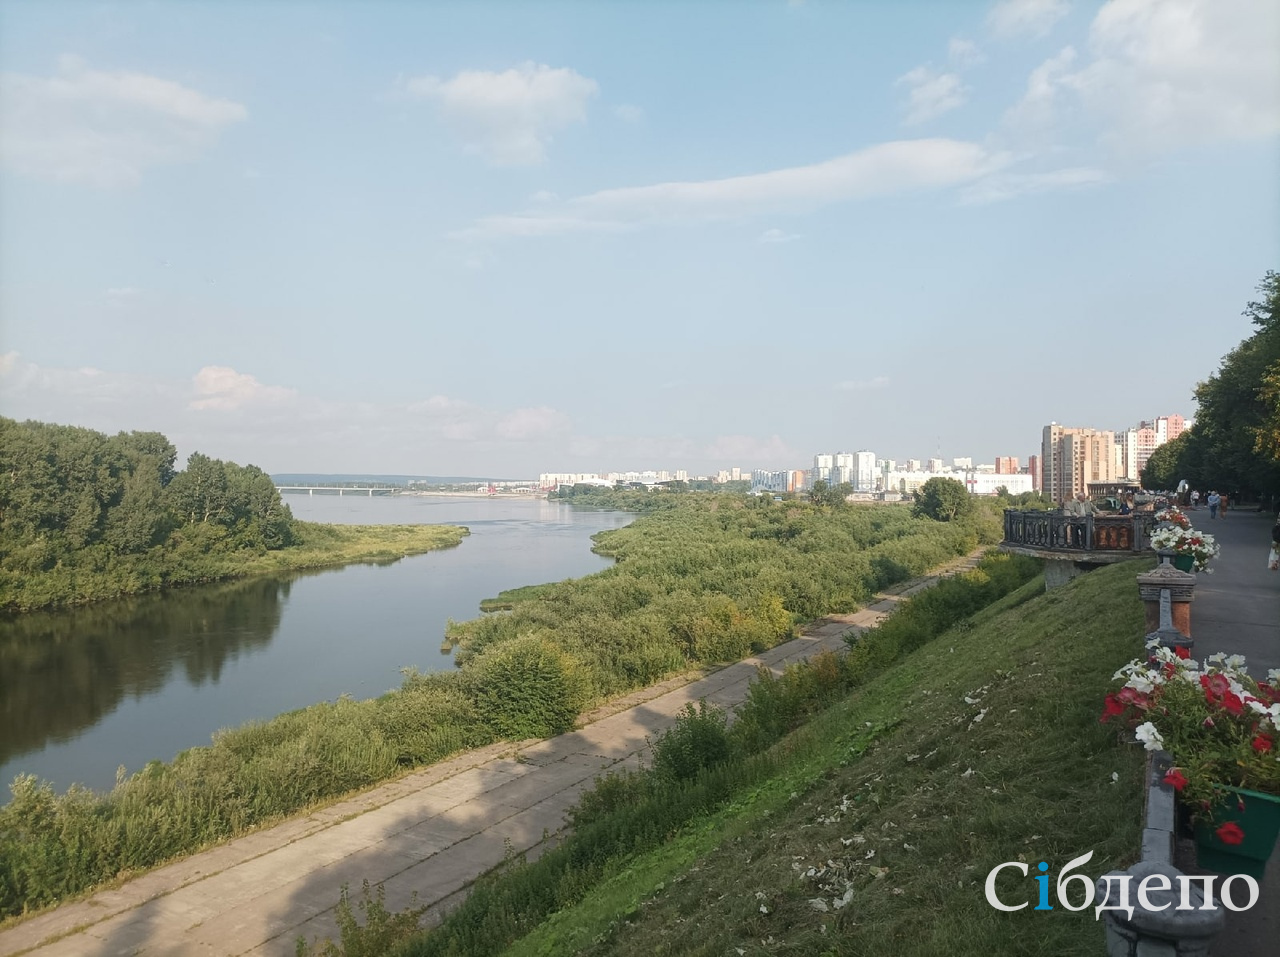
501 238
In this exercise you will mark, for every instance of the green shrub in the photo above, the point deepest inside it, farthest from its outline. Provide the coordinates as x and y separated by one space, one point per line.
699 739
527 688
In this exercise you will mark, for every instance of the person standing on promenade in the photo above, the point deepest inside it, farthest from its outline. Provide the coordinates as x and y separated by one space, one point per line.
1222 504
1214 501
1195 498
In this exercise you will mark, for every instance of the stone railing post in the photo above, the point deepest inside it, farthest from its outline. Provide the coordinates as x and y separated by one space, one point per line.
1166 595
1163 930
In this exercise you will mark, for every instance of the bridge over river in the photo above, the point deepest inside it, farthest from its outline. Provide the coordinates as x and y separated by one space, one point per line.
369 490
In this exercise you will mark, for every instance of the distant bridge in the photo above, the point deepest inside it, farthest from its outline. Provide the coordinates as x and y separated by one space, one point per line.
340 489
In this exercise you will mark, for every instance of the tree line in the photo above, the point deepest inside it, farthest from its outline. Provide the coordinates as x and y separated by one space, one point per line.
1234 445
76 504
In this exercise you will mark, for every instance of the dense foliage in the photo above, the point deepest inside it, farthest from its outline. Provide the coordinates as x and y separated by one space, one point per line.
83 515
943 500
1234 445
705 579
710 579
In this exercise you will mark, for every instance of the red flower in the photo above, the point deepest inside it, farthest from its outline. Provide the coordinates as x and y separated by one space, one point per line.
1169 669
1111 707
1232 703
1208 723
1230 833
1267 692
1134 697
1176 779
1215 685
1262 744
1182 651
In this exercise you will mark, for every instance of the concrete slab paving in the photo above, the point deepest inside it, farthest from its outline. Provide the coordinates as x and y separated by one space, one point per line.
426 837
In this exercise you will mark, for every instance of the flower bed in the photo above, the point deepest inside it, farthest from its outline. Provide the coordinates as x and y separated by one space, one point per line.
1221 725
1199 546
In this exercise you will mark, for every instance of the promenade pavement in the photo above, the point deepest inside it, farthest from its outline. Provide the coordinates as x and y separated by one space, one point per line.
1236 610
429 834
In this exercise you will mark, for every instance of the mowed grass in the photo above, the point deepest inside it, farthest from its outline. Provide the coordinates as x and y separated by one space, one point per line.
888 810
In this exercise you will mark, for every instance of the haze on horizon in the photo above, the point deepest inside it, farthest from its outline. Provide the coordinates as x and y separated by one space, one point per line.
500 239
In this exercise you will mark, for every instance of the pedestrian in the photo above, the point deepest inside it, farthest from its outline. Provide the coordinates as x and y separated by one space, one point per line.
1214 501
1222 505
1195 498
1273 560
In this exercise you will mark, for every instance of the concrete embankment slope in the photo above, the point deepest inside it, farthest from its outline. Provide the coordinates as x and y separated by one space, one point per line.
429 834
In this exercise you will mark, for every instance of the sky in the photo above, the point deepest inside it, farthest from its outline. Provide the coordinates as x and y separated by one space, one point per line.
501 239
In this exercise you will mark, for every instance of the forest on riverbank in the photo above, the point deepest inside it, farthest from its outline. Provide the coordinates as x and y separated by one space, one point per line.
86 516
709 580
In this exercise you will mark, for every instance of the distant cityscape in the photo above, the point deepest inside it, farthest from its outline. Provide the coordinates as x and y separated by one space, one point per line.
1071 460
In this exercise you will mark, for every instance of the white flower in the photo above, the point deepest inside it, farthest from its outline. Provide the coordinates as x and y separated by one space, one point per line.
1149 736
1140 683
1273 675
1236 662
1217 659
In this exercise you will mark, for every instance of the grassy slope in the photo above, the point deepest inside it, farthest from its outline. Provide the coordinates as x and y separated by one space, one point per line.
886 769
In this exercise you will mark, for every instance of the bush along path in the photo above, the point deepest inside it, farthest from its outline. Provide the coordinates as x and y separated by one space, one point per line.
425 837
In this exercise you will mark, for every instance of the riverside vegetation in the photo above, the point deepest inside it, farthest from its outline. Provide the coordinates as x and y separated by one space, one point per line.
701 580
86 516
853 808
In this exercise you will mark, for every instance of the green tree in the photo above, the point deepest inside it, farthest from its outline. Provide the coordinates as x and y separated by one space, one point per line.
943 500
1231 445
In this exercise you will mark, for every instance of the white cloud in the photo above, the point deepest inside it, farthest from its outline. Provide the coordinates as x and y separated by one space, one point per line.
1004 186
628 113
509 118
222 388
1037 111
879 170
964 53
863 385
1163 74
524 425
104 128
777 236
931 94
1026 18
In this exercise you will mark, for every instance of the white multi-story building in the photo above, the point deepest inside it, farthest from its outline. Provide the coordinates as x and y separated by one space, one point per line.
962 464
865 464
823 463
986 483
764 480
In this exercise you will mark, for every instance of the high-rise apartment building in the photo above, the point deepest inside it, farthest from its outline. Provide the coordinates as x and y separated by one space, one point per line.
865 471
1033 469
823 462
842 468
1007 465
1074 457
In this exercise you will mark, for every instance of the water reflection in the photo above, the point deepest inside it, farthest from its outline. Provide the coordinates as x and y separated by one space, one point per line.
85 690
61 672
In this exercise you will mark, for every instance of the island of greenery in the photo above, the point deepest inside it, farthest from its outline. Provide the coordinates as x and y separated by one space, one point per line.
86 516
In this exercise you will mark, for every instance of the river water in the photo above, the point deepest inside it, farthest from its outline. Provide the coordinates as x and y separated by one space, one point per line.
124 682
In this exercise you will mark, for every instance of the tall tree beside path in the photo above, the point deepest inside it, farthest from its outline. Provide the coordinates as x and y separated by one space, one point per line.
1234 444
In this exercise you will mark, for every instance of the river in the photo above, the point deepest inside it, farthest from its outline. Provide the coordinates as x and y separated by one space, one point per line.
124 682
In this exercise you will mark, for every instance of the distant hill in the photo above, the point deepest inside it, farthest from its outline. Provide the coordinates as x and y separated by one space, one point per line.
336 478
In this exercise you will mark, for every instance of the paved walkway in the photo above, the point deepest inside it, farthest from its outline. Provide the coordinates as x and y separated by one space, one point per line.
1237 610
431 833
